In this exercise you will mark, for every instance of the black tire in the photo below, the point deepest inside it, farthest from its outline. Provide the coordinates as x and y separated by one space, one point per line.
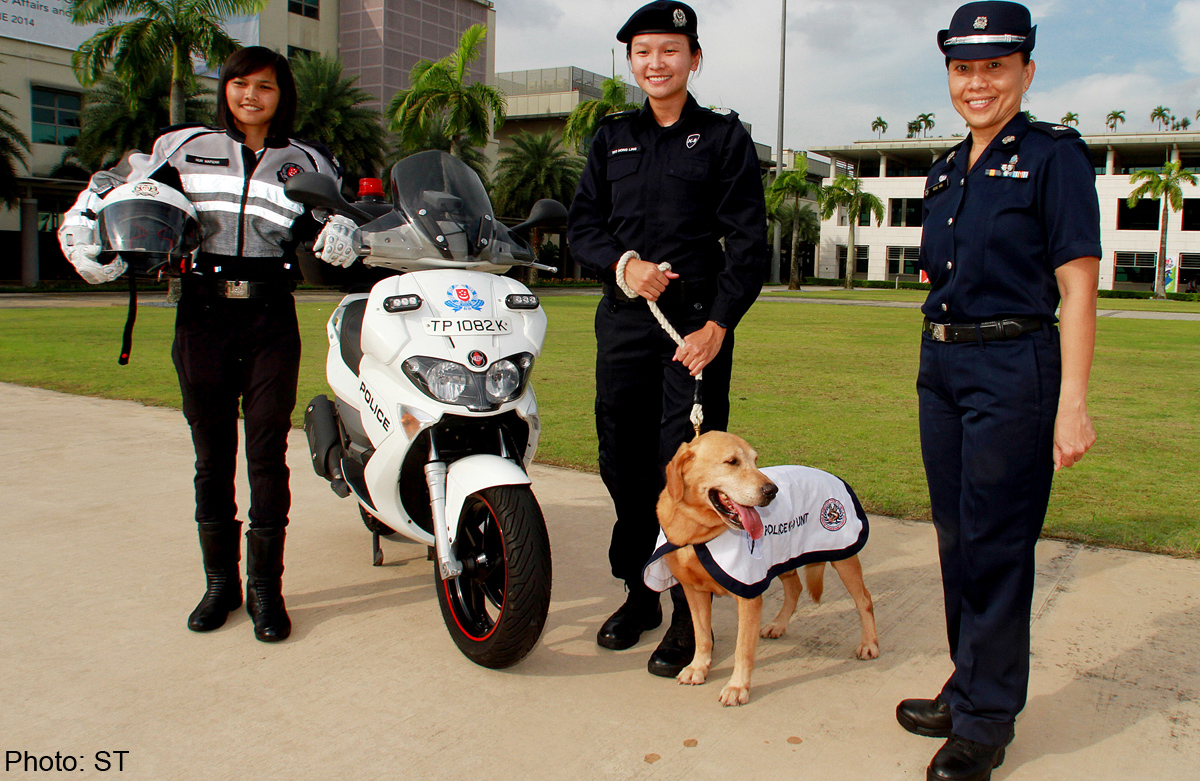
496 612
374 524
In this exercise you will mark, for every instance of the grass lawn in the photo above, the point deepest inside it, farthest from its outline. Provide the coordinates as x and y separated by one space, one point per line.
918 296
829 386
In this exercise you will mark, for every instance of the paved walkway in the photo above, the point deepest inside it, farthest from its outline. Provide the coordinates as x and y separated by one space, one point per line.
99 569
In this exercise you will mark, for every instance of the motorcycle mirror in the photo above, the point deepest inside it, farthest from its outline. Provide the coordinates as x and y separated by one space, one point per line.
321 192
546 213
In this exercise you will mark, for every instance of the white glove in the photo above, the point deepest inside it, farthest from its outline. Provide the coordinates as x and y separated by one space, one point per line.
83 258
338 241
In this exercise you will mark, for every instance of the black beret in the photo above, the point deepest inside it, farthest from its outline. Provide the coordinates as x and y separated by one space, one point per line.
661 16
981 31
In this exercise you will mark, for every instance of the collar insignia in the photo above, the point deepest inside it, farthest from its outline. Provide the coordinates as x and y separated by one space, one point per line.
1008 139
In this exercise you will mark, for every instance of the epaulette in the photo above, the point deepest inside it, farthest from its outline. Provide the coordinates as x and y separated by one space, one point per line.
618 115
324 150
1055 131
946 156
725 113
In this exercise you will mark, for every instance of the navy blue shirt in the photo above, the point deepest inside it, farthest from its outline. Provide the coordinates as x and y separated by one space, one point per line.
671 194
992 238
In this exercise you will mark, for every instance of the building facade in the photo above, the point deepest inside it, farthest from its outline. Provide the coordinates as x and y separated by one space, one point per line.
895 172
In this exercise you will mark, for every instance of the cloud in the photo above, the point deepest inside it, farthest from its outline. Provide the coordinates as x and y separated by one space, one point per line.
1185 31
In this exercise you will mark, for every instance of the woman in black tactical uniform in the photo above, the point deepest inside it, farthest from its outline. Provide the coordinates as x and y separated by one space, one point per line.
1012 227
236 335
665 183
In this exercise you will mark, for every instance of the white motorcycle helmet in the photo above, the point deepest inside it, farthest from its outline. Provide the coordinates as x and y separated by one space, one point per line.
149 225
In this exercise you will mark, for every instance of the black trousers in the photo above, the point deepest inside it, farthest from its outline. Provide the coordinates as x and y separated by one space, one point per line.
231 349
987 413
643 400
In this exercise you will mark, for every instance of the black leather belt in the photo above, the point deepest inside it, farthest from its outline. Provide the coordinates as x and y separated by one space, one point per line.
988 332
238 288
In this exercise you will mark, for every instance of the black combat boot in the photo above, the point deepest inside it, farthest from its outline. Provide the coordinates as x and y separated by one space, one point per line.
220 545
264 584
640 613
678 645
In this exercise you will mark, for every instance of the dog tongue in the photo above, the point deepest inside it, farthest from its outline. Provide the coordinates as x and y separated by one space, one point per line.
751 521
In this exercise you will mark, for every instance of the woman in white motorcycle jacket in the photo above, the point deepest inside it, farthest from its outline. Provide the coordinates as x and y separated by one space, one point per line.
236 334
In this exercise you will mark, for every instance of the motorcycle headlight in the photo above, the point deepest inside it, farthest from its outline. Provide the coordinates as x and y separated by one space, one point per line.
452 383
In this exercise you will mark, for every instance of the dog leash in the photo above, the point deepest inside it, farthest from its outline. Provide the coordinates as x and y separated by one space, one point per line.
697 416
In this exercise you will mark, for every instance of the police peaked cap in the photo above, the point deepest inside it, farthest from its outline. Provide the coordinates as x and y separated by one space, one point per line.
661 16
981 31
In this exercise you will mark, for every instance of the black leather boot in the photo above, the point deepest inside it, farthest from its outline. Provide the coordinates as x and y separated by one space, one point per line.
640 613
220 546
264 584
678 645
930 718
960 759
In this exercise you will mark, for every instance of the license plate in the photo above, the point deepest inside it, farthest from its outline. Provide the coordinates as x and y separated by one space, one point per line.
467 326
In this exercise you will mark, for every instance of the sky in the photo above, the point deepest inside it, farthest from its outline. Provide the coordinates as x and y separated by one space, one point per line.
849 61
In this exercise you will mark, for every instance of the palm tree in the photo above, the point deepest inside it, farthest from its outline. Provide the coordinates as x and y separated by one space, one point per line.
1165 185
119 116
1185 123
879 125
847 194
330 110
926 122
914 128
440 89
1161 115
12 142
1113 118
435 137
1070 118
585 118
173 31
535 167
793 185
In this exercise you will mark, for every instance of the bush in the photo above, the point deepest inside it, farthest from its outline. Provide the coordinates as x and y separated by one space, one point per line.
868 283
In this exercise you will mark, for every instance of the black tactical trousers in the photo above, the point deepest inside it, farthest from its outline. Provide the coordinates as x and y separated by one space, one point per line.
643 400
226 349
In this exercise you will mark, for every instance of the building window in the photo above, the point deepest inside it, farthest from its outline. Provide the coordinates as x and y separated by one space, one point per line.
862 257
1143 217
55 117
903 260
905 212
1135 267
1191 214
309 8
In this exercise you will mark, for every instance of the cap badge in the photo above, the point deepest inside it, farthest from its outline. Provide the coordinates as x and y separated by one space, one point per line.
1008 139
692 140
980 22
679 17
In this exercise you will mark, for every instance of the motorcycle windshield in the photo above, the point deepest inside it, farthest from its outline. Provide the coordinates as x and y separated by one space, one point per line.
445 200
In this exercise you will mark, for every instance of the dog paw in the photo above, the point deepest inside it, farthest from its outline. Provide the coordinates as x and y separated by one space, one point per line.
868 651
773 630
734 695
692 676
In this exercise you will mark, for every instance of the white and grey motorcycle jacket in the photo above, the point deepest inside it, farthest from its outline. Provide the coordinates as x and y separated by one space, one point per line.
249 225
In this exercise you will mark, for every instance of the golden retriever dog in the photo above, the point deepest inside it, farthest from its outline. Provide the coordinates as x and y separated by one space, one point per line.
714 486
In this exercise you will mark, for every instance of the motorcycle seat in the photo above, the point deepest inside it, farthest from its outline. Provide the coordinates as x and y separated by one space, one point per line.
351 336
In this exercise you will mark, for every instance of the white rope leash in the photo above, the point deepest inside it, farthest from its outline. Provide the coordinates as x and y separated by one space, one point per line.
697 416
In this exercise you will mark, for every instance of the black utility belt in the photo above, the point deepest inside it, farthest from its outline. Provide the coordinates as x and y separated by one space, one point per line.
685 291
240 288
988 332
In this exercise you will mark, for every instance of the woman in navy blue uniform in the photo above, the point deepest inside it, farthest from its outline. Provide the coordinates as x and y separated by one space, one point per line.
1012 227
665 183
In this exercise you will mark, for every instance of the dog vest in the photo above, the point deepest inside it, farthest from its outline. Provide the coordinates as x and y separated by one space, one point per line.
814 517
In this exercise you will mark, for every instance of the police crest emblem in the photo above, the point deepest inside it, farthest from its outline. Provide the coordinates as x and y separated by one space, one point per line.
288 171
692 140
980 22
833 515
679 17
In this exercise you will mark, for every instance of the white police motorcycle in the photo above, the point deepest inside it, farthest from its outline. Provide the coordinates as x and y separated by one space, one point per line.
434 421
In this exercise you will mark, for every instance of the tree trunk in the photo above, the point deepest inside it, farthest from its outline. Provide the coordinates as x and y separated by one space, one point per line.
1160 268
179 70
850 255
794 278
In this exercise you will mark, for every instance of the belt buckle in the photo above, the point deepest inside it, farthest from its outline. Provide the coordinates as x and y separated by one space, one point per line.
938 332
237 289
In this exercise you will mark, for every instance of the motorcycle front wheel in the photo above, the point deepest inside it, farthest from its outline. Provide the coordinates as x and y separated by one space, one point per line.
496 609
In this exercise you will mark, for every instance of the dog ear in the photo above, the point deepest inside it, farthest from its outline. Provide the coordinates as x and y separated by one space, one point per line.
683 457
